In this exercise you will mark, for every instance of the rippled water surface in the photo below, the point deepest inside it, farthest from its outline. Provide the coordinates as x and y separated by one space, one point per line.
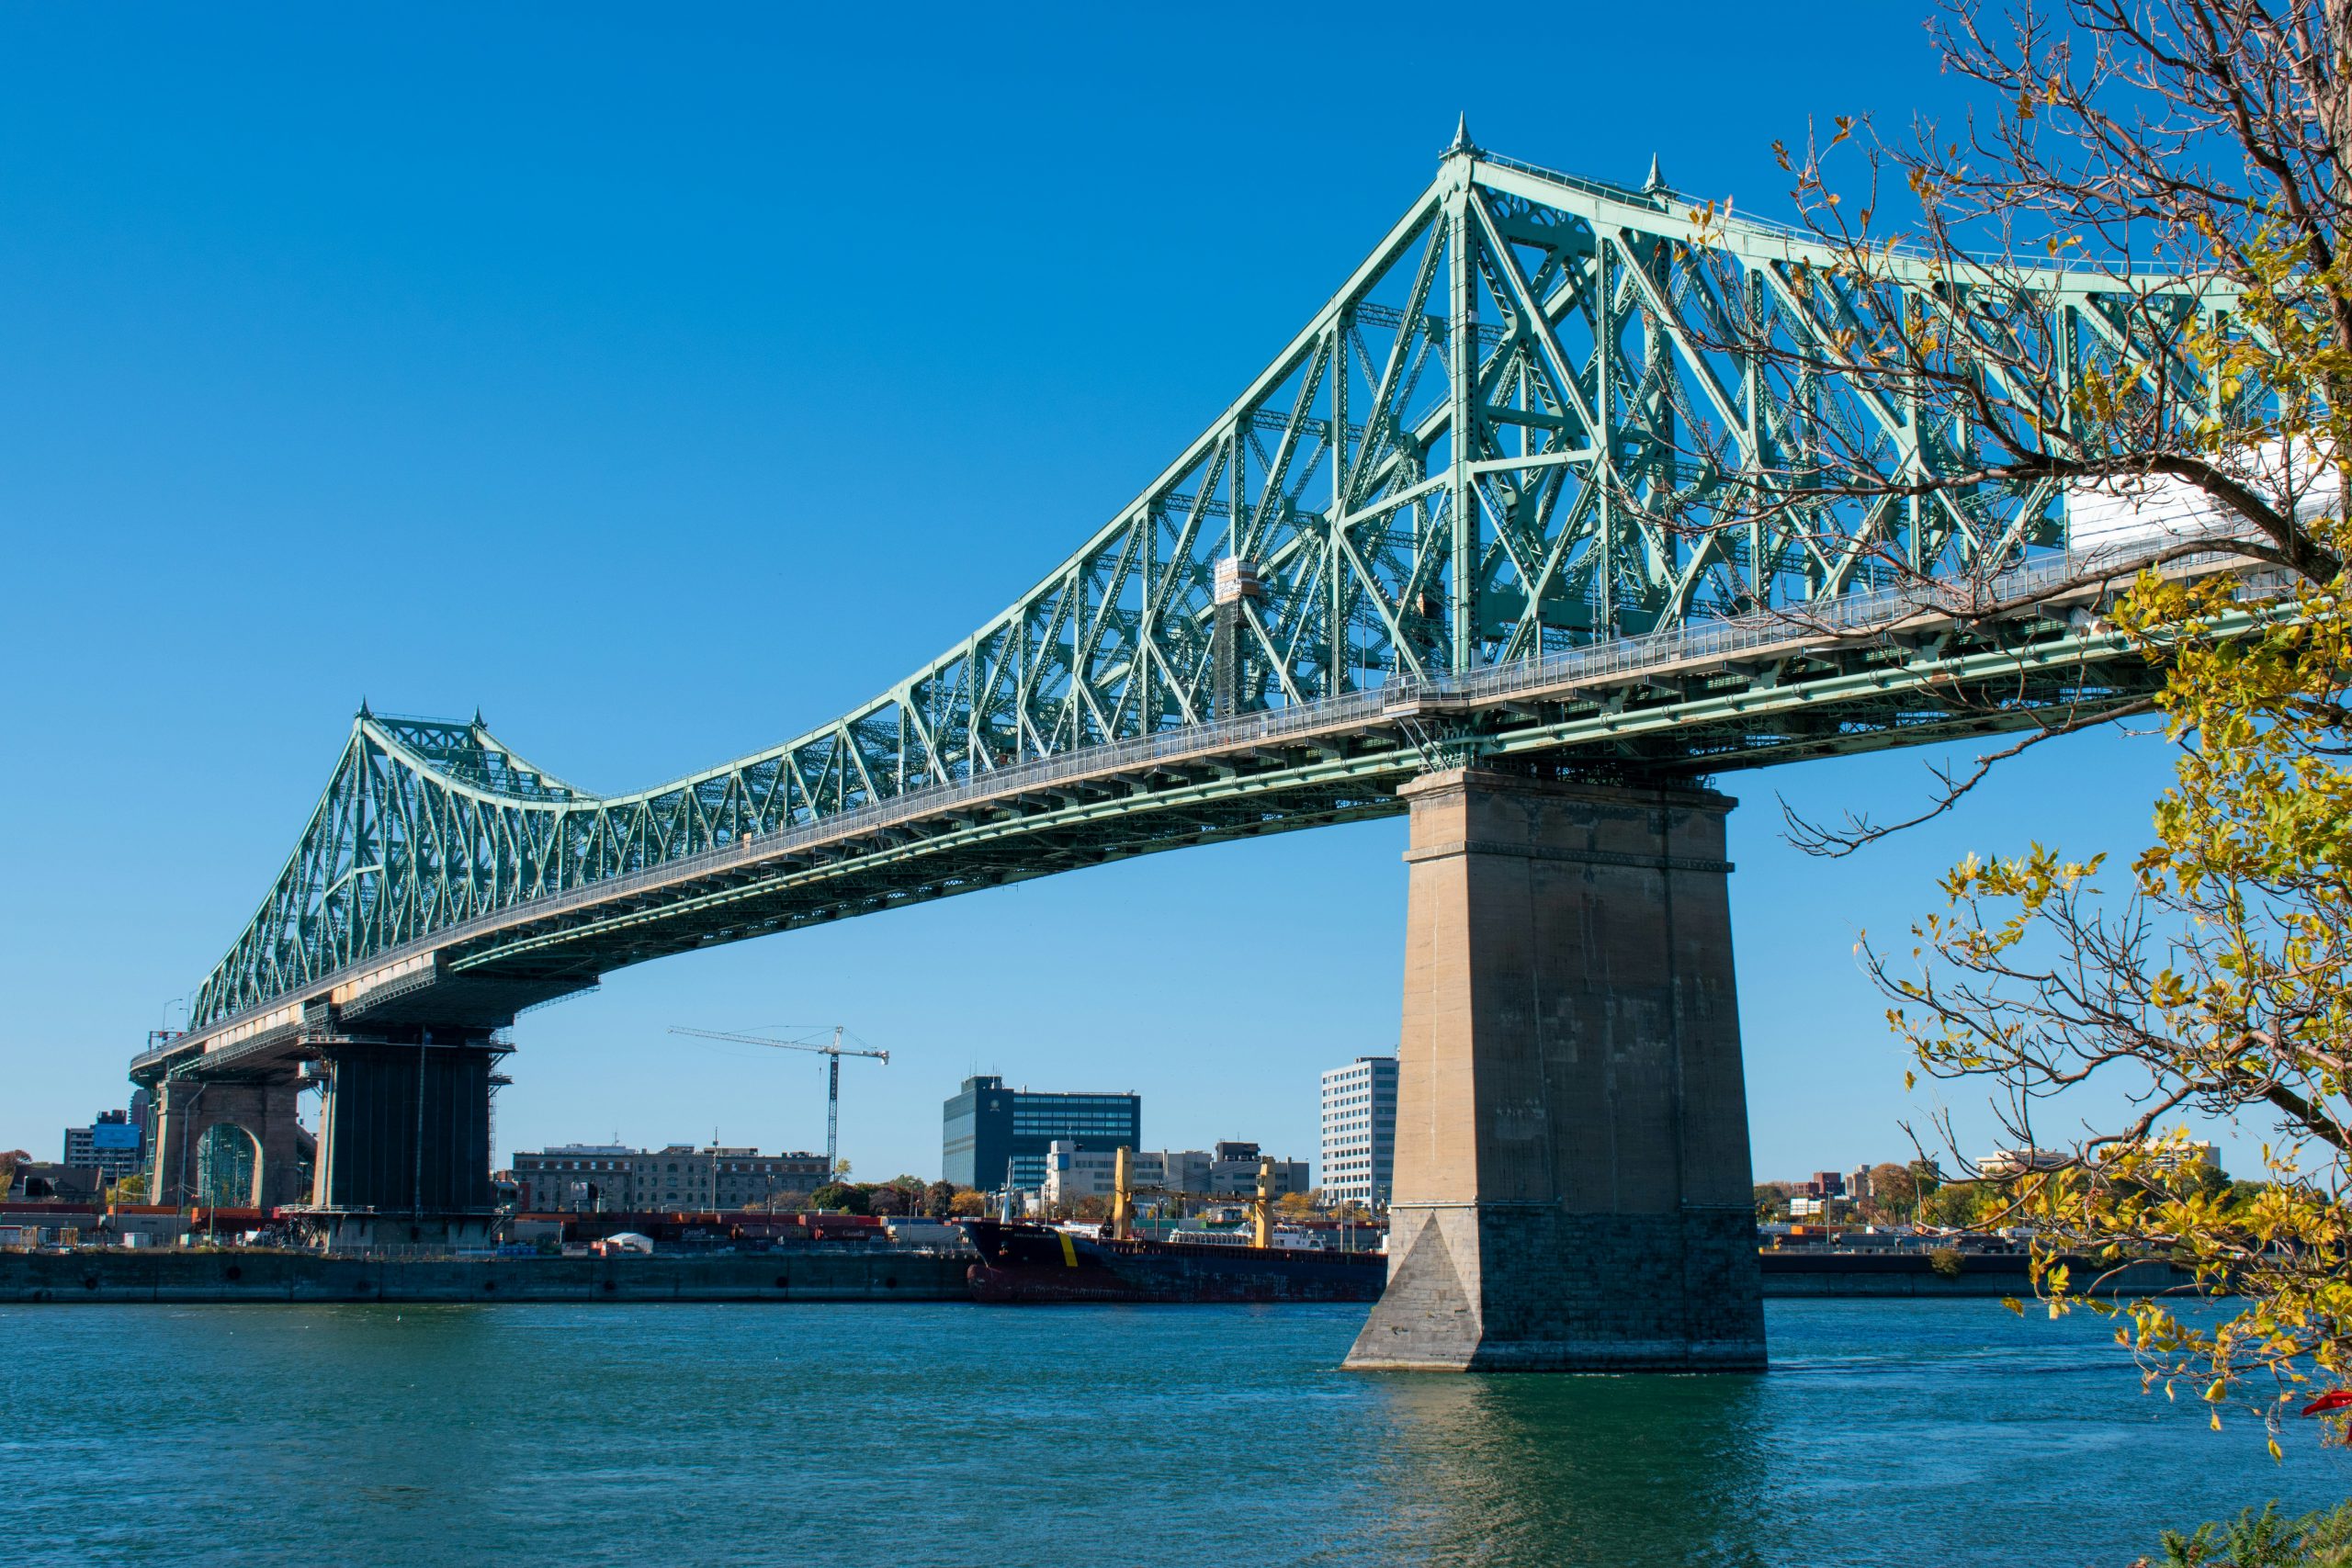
1909 1433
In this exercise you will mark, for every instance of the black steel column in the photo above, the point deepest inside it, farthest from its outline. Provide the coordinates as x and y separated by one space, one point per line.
404 1128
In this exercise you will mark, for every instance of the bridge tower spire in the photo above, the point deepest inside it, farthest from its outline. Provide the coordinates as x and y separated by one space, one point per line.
1462 374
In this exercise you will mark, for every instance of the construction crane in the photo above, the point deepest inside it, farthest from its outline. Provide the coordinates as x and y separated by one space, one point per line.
832 1053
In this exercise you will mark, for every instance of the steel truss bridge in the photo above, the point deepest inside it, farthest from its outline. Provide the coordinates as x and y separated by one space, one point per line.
1458 515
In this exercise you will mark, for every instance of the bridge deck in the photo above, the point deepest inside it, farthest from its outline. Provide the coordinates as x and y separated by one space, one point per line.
1866 671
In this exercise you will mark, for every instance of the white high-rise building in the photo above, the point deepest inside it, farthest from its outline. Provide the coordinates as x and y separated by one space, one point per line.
1360 1130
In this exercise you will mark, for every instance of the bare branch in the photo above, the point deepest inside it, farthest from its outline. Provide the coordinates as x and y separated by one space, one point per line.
1858 831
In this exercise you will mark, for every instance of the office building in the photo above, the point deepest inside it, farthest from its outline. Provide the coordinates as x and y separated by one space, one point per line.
1073 1173
989 1130
1359 1131
614 1178
113 1145
2197 1157
1185 1171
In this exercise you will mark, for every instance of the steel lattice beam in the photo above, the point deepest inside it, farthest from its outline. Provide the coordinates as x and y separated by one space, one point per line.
1506 436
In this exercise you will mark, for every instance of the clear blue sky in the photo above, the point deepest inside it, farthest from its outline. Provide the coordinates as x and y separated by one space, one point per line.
662 383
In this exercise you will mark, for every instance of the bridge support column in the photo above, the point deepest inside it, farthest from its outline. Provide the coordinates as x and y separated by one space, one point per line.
188 1109
404 1140
1572 1187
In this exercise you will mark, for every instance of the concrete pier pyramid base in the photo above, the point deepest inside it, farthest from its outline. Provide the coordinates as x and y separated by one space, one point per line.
1572 1187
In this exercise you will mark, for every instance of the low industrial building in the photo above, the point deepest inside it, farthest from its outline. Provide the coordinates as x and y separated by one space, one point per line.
592 1177
47 1180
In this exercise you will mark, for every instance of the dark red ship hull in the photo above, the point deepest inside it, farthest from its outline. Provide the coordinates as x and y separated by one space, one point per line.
1036 1264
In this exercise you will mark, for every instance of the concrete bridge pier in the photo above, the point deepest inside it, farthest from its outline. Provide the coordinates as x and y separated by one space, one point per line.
404 1139
244 1134
1572 1189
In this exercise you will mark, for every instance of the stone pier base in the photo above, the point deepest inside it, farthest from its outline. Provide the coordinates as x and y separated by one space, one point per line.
188 1109
1572 1189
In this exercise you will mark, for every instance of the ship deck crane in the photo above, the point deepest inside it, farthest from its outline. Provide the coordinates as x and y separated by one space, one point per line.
832 1053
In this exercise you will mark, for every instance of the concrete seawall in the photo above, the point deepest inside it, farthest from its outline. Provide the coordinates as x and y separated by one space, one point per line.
256 1276
253 1276
1797 1275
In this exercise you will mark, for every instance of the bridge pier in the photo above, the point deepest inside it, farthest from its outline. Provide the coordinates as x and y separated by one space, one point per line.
404 1140
187 1112
1572 1187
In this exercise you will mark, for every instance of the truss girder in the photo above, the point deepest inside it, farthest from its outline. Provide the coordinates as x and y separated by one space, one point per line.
1892 692
1505 435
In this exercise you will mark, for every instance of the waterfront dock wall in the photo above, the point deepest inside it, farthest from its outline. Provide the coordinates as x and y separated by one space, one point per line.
249 1275
254 1275
1805 1275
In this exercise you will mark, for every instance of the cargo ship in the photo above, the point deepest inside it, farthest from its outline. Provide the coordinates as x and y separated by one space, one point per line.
1022 1262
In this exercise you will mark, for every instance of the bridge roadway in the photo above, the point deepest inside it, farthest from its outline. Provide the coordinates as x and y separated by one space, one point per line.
1862 674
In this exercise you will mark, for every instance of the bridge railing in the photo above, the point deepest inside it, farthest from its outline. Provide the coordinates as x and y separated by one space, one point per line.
1691 643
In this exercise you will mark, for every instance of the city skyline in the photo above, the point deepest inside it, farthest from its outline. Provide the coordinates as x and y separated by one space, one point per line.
506 1159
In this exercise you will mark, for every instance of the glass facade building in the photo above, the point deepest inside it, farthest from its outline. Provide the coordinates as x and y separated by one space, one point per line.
986 1130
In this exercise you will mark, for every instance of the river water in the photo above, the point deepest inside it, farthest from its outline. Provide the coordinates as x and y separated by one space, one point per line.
1887 1433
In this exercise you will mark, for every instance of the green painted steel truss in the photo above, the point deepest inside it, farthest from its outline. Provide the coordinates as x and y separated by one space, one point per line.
1508 435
